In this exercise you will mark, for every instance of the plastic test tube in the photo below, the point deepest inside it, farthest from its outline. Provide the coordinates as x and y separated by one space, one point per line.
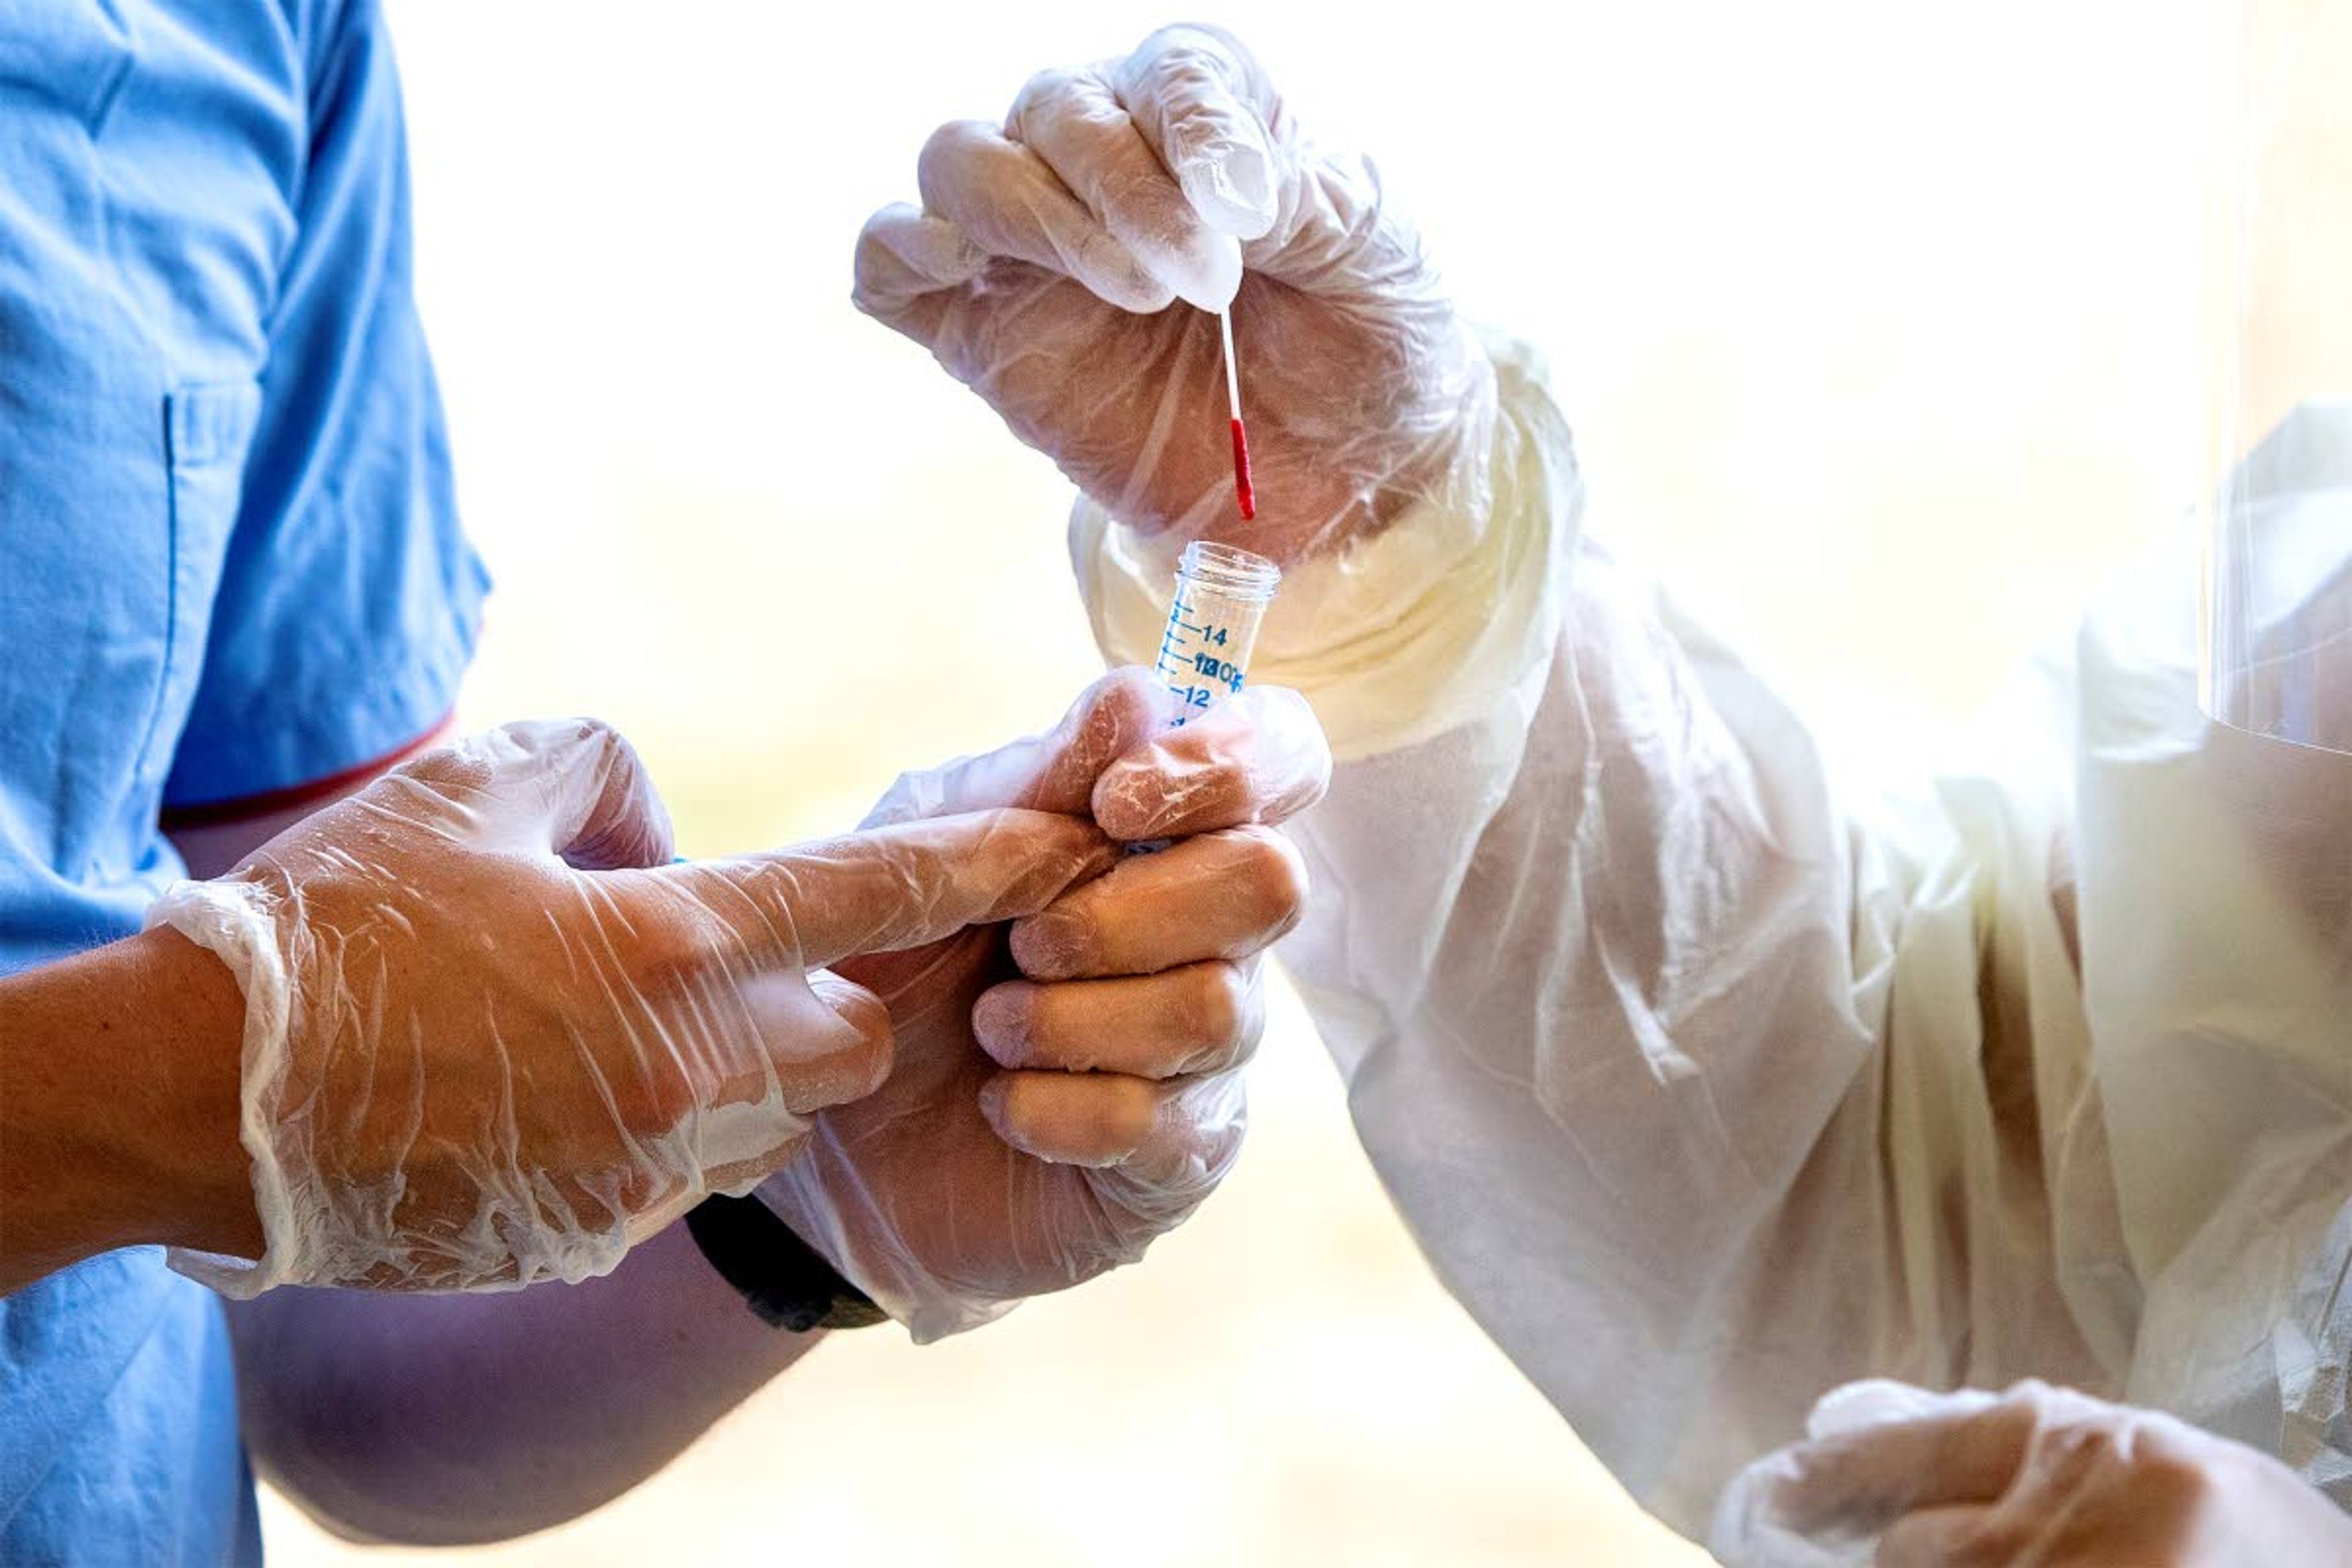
1221 593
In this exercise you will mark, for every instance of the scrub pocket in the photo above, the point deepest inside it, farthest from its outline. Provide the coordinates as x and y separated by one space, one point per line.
206 430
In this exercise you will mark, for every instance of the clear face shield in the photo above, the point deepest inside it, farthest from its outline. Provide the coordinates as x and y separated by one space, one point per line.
2278 400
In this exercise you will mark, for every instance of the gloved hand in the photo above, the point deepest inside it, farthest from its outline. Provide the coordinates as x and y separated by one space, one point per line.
1042 267
1068 1091
491 1037
2040 1475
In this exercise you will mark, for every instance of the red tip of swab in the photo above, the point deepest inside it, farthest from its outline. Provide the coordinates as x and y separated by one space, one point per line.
1241 491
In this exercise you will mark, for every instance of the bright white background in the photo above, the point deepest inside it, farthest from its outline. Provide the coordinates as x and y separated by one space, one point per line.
1873 321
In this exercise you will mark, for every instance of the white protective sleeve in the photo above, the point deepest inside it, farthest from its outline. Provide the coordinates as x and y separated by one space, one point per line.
1703 1095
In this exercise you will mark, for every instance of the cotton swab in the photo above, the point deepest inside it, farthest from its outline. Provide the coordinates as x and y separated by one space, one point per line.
1243 491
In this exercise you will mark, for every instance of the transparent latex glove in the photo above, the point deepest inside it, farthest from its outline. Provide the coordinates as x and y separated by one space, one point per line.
1070 1089
1067 265
491 1037
1903 1477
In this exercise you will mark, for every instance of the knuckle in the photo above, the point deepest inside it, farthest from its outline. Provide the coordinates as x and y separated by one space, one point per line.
1126 707
945 152
2067 1455
1208 1121
1119 1121
1998 1539
1043 88
1216 1007
459 766
674 941
588 729
1082 1117
1116 1117
1276 875
2179 1484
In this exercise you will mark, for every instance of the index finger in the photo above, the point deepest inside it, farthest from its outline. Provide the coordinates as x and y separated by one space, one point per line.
1073 120
1199 97
1259 756
884 888
1003 198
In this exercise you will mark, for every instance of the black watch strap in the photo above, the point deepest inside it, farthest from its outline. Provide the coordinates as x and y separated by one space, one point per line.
786 1281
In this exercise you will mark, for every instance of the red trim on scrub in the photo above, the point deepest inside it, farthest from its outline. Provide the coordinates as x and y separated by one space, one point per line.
208 813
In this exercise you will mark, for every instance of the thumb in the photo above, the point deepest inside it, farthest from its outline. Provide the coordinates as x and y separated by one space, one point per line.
856 1059
569 787
819 1042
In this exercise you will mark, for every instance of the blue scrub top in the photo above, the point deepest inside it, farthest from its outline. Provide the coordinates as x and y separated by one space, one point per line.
229 564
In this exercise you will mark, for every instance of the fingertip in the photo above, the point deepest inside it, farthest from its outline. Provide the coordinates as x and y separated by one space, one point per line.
1055 944
1000 1022
1119 277
1199 93
908 264
935 251
1211 275
1231 185
1130 799
866 1059
825 1041
992 1097
1123 805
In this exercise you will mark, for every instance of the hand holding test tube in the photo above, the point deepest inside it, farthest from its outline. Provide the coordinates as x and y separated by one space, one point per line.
1065 1092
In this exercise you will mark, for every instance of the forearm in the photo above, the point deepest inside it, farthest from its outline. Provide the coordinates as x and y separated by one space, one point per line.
1589 974
118 1072
1619 902
1763 1089
445 1419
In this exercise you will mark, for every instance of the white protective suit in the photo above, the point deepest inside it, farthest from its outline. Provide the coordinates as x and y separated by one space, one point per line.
1704 1092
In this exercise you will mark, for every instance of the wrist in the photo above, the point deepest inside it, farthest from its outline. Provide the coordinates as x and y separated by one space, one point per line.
120 1073
201 1158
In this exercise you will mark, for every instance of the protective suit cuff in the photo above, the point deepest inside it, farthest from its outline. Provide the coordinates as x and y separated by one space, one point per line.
231 921
1403 635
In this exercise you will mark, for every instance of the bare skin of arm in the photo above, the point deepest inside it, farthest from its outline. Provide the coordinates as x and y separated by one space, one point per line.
118 1072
